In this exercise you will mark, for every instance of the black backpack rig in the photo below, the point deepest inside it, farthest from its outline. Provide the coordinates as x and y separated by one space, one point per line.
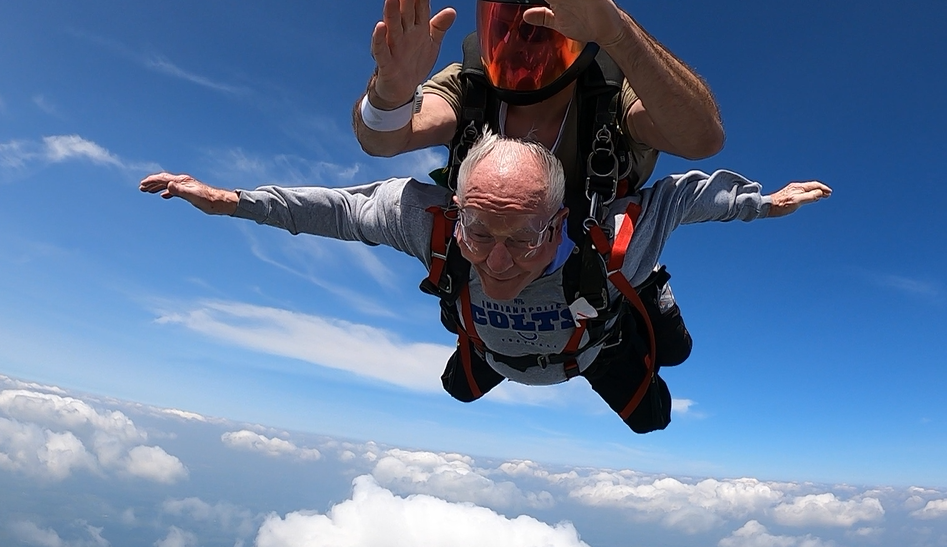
644 335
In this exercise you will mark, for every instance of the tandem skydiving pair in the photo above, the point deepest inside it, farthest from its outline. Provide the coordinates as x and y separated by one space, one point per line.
540 237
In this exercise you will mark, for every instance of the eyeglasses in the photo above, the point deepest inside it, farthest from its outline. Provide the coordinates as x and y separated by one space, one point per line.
521 244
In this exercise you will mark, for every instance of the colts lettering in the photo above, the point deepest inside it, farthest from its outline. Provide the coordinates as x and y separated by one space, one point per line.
532 319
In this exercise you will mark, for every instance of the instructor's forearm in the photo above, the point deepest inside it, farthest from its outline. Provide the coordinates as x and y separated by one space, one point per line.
379 143
676 99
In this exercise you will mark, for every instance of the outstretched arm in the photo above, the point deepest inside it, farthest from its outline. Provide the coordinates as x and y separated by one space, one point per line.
794 195
405 44
213 201
676 111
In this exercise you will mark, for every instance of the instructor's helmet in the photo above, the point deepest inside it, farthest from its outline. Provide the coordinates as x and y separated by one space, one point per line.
526 63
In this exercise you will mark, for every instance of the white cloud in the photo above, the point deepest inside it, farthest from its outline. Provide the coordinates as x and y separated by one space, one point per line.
31 450
128 517
153 463
932 510
48 436
359 349
63 452
754 534
248 440
178 538
909 285
59 148
31 534
228 516
368 260
452 477
417 164
827 510
33 386
164 66
183 414
867 532
28 533
51 409
567 394
63 147
690 508
300 254
15 154
374 517
681 406
240 168
45 105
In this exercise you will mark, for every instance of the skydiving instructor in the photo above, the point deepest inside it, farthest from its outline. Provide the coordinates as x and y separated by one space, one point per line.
670 108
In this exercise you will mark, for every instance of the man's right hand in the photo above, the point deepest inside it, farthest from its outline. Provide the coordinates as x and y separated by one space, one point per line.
405 44
213 201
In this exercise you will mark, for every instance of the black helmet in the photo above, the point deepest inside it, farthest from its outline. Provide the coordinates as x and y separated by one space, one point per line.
526 63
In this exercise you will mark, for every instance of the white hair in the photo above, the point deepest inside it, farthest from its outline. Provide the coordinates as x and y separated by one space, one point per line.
515 149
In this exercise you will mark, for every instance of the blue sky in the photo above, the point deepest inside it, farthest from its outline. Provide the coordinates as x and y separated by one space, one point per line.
817 337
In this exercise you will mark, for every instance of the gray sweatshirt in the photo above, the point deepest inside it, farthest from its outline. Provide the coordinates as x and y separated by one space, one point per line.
538 321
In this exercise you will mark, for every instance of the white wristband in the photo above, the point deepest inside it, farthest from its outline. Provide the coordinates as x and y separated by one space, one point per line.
389 120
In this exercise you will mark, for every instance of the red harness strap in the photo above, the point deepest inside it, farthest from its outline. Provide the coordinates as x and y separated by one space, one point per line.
441 233
469 329
615 254
467 335
440 236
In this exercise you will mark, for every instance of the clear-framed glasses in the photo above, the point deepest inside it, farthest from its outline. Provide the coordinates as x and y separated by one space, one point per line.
522 243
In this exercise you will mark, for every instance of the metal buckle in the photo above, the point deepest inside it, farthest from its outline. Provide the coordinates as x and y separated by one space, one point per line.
607 344
603 148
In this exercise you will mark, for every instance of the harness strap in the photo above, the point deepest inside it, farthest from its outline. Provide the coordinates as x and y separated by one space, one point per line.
438 245
467 336
616 256
468 332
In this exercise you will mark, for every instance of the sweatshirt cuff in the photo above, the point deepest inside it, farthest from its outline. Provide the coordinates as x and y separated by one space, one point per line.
248 207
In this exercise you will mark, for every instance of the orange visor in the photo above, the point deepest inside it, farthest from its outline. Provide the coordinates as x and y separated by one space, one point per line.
518 56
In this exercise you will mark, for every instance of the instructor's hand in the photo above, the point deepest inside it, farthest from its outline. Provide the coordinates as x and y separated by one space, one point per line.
600 21
213 201
405 44
795 195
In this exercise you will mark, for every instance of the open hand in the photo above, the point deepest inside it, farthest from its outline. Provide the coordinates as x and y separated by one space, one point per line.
599 21
796 194
405 44
213 201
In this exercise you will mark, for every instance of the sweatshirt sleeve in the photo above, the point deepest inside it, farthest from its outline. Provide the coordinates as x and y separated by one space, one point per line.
390 212
698 197
687 199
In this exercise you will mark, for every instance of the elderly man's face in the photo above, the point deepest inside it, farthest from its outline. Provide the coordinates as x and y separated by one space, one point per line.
506 230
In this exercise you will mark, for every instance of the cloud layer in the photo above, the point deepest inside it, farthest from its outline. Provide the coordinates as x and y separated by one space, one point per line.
398 496
375 517
51 436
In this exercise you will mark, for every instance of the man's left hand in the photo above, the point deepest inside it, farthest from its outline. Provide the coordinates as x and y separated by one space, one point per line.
599 21
795 195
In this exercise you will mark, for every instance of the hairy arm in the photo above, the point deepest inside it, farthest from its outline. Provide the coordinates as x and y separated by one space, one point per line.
676 111
405 44
434 124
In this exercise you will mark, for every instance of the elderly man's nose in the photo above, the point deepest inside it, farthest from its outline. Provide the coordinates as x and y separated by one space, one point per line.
499 260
